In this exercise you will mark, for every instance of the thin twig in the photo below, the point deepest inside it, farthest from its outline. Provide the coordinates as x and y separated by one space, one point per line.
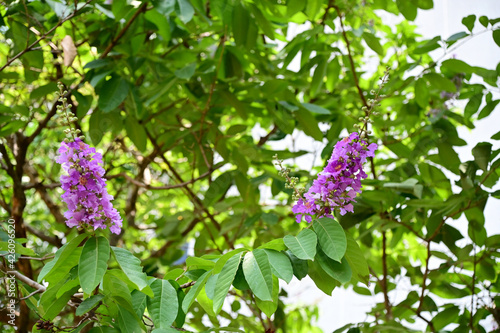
38 291
424 279
29 47
387 304
351 60
122 32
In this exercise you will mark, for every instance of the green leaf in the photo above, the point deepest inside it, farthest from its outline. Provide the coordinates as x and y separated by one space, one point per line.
453 38
262 22
373 43
421 93
408 9
218 188
164 307
105 11
496 36
339 271
225 280
50 305
201 263
127 321
93 263
131 266
318 77
206 303
315 108
321 279
457 66
445 317
331 237
439 82
294 6
64 259
356 260
104 329
245 30
194 291
161 23
424 4
18 248
184 10
426 203
280 265
11 127
312 9
258 274
180 319
222 260
482 153
484 21
79 328
44 90
488 108
473 105
240 282
165 330
304 245
136 133
428 46
186 72
300 267
88 304
112 93
469 22
448 156
276 244
308 124
408 186
139 302
270 307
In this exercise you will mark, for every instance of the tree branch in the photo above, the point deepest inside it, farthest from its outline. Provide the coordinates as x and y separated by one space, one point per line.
56 241
424 279
351 60
122 32
32 45
387 304
264 139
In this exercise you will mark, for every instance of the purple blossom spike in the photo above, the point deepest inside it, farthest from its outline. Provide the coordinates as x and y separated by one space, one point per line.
89 203
337 186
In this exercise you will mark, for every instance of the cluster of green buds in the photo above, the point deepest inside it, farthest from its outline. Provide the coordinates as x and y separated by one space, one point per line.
67 118
369 109
291 182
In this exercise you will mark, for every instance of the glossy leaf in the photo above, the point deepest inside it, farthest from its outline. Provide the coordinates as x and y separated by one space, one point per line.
63 261
131 266
280 265
88 304
164 306
225 280
331 237
112 93
93 263
258 274
304 245
194 291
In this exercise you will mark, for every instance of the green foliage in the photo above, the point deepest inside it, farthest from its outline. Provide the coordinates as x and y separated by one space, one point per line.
188 101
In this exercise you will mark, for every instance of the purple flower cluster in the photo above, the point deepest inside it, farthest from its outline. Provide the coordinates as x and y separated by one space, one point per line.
339 183
89 203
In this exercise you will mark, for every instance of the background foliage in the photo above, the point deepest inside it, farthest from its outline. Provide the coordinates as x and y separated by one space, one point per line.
171 92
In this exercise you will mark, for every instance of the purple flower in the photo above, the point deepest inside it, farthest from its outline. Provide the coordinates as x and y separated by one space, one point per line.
85 194
338 184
